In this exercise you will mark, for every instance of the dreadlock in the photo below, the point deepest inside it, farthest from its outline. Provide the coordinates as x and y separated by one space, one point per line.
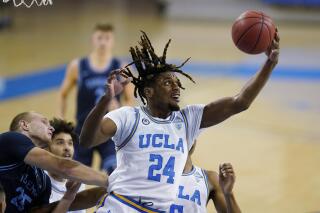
148 65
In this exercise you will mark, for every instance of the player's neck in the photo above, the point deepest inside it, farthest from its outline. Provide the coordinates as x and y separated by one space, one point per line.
188 166
36 141
56 177
158 112
100 61
100 57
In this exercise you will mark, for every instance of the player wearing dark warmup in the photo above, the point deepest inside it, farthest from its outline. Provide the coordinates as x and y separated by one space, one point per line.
89 75
23 159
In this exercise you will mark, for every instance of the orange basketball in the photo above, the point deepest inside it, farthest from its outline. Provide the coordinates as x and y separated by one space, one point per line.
253 32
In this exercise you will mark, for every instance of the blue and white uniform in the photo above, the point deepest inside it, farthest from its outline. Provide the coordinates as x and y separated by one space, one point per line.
193 193
25 186
151 155
91 86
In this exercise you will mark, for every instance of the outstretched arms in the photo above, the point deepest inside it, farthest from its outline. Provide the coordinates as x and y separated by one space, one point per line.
66 168
222 109
83 200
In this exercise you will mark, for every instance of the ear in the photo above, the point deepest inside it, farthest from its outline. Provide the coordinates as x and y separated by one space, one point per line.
148 92
24 125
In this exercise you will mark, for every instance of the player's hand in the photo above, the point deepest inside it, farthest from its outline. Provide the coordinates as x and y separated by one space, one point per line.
274 50
72 189
226 177
114 87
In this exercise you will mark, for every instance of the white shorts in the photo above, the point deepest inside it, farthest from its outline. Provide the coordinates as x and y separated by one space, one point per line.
115 203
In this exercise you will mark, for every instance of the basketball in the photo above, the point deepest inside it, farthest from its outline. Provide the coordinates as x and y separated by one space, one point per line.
253 32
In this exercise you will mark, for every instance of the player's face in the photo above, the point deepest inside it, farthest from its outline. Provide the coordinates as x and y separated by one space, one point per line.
62 145
40 128
102 41
167 91
2 202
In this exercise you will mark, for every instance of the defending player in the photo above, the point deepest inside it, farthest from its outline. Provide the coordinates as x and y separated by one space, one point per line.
153 140
197 186
23 159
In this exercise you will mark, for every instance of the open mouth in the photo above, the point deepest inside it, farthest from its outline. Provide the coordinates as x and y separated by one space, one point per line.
66 155
176 97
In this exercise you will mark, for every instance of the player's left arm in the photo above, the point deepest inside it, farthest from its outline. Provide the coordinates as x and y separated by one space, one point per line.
222 109
83 200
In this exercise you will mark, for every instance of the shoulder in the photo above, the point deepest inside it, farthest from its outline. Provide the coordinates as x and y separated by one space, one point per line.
125 110
75 63
193 107
13 136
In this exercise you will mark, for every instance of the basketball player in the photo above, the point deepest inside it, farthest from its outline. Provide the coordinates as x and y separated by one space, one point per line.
197 186
23 159
153 141
63 139
89 74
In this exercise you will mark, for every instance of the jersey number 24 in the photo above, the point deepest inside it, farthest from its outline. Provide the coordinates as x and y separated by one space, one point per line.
157 170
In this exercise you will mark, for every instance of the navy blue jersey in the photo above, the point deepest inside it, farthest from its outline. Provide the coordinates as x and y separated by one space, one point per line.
91 86
25 186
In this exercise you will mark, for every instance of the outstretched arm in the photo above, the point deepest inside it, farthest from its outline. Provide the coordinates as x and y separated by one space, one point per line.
83 200
97 130
222 109
66 168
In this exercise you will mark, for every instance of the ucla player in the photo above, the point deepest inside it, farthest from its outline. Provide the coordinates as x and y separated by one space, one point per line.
153 141
89 74
197 186
23 159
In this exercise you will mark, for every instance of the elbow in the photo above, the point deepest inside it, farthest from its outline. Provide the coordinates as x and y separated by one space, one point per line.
241 104
83 141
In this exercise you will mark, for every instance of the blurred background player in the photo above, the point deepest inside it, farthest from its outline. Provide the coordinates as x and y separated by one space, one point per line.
63 140
89 74
23 161
197 186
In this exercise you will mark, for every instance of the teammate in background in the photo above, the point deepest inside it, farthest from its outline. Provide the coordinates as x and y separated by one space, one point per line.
2 200
90 74
23 161
197 186
63 140
153 141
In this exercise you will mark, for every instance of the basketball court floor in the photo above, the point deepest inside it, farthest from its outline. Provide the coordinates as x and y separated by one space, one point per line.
274 146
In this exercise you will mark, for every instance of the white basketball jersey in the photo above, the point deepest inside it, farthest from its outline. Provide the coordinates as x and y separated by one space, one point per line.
151 153
193 193
58 189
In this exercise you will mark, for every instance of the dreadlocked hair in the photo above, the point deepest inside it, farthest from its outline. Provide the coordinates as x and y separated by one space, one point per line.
148 65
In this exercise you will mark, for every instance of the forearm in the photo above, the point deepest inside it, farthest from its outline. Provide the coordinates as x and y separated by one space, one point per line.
87 198
88 136
250 91
232 206
62 106
83 200
74 170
